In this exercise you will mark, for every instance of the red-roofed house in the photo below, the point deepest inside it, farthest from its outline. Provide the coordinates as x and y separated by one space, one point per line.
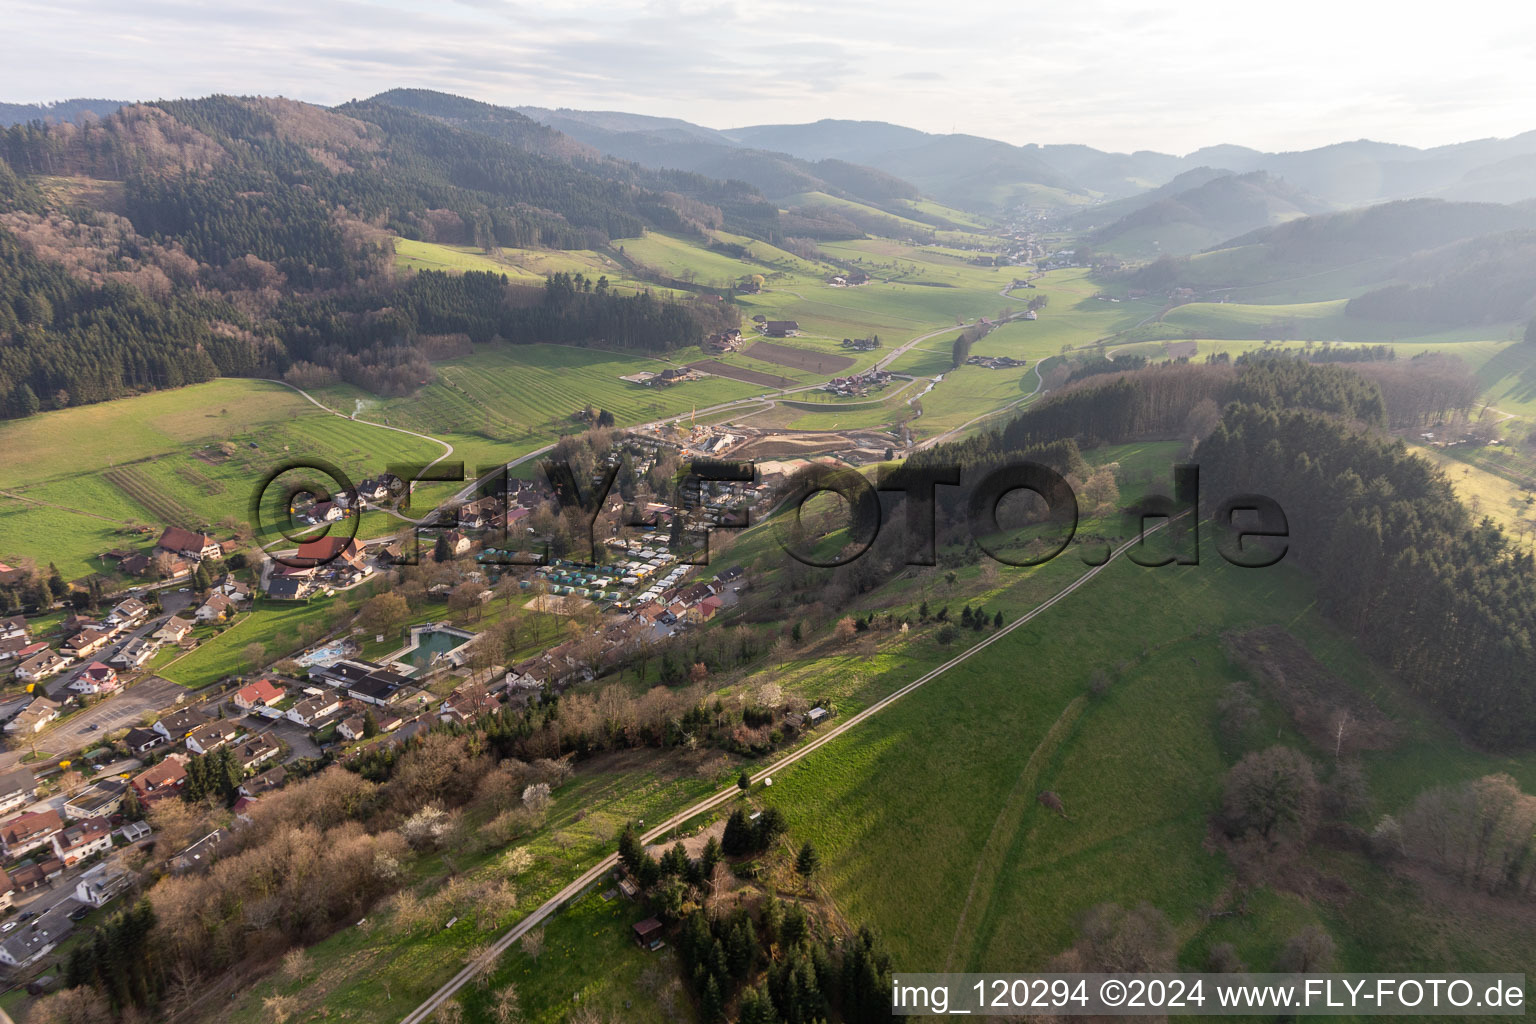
262 693
95 678
163 780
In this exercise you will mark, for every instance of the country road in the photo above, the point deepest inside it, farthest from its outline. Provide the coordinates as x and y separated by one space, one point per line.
487 960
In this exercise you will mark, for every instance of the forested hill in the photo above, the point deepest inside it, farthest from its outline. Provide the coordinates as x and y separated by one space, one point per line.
239 235
1395 555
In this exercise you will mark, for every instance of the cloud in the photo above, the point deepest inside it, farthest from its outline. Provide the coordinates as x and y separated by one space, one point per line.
1171 78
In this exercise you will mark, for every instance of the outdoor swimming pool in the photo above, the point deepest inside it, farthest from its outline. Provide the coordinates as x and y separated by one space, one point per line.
429 643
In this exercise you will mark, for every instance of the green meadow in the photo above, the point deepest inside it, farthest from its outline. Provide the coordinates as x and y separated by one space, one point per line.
84 480
926 817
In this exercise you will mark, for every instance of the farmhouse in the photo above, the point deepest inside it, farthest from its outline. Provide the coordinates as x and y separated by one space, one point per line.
330 551
781 328
195 546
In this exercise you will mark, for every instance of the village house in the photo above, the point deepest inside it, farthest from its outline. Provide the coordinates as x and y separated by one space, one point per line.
174 631
287 588
259 696
18 787
20 648
140 741
214 608
133 654
100 800
187 544
210 736
74 843
13 627
128 614
351 728
99 885
458 542
34 717
476 515
256 750
95 678
29 831
178 723
256 785
86 642
313 710
467 703
164 779
7 891
236 590
336 552
781 328
28 945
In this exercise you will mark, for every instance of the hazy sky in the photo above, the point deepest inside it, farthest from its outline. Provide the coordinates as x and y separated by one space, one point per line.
1121 76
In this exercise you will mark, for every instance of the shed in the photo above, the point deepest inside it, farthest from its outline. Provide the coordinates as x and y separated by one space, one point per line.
647 931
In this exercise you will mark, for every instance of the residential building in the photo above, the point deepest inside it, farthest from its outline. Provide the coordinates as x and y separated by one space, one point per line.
210 736
256 751
29 831
86 642
140 741
18 787
26 946
34 718
129 613
100 884
74 843
312 710
164 779
133 654
95 678
175 726
201 853
214 608
261 694
40 666
174 631
256 785
99 800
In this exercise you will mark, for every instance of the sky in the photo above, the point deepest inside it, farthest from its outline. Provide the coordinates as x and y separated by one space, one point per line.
1118 76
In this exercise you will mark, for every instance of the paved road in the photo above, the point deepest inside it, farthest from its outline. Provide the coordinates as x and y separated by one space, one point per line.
487 960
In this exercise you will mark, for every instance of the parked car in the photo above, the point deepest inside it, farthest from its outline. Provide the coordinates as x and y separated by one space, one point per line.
29 915
8 926
79 913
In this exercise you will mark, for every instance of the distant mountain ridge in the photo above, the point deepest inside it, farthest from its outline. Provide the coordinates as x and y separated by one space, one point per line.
56 111
1220 207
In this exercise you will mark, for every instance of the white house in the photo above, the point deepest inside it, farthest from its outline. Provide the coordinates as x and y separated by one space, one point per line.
95 678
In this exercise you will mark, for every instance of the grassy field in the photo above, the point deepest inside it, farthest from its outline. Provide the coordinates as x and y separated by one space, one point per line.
78 481
521 266
926 817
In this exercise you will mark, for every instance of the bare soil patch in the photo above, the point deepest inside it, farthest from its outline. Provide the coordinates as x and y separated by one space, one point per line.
799 358
720 369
